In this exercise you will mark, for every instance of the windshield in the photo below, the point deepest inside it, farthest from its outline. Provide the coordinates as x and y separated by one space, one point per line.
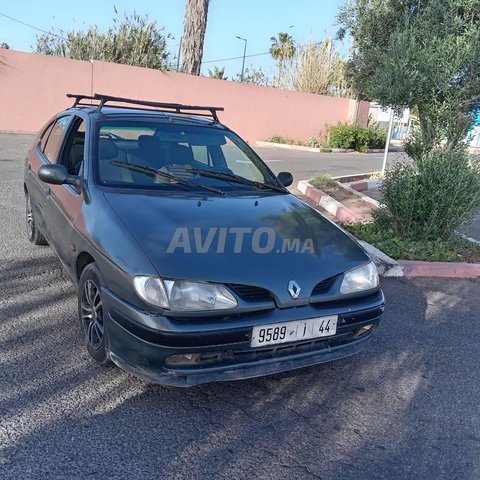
163 156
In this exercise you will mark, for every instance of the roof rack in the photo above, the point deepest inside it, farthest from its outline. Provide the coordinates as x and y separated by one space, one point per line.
166 107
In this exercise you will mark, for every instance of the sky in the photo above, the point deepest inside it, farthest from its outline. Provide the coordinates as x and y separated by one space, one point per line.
255 20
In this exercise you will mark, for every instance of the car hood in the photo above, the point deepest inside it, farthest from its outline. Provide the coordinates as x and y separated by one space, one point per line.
264 240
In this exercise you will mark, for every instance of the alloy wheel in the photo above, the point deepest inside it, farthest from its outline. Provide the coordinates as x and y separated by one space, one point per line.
92 314
29 218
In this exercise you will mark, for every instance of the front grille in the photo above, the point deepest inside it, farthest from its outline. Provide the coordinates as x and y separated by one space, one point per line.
323 286
250 292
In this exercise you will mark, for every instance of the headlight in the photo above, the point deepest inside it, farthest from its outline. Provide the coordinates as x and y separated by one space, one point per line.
152 290
360 279
182 295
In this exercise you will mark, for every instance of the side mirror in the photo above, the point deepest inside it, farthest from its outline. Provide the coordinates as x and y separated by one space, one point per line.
286 178
56 175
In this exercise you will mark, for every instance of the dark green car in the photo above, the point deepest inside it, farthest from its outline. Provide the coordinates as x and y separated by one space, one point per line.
193 261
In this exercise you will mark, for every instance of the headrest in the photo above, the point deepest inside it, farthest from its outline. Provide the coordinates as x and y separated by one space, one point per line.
179 154
148 141
107 149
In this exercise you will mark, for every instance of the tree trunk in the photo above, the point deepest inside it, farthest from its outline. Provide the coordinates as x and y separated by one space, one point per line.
194 26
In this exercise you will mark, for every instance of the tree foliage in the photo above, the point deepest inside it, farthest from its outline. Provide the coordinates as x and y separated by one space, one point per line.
194 27
5 45
282 47
316 67
421 54
218 73
133 40
253 75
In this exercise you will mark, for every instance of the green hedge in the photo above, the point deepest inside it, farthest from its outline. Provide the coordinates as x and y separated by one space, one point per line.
356 137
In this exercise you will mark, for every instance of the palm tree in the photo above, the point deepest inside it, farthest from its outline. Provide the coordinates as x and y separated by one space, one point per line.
283 47
218 73
194 26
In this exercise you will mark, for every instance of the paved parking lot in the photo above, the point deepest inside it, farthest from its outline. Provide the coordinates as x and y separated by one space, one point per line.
305 165
405 409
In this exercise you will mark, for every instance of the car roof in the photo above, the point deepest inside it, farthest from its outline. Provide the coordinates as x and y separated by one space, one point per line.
128 113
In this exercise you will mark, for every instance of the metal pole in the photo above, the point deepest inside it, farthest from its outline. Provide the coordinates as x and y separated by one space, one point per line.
387 143
244 54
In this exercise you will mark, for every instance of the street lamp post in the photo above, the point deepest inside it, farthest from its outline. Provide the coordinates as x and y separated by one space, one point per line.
244 53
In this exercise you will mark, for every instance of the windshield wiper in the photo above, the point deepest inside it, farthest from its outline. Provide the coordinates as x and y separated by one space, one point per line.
154 172
235 178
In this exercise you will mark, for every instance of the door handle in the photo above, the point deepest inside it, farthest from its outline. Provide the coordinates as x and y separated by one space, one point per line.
48 191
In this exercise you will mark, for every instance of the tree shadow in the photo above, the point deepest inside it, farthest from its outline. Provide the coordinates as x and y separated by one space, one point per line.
394 411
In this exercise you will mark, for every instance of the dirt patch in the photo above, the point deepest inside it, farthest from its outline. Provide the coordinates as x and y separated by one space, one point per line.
351 201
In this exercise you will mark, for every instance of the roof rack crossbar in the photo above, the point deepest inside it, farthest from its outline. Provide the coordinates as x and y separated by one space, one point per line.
178 107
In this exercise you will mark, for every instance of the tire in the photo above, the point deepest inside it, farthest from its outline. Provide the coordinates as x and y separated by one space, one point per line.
90 314
33 234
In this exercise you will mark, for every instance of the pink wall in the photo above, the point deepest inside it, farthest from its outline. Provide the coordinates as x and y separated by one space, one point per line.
33 88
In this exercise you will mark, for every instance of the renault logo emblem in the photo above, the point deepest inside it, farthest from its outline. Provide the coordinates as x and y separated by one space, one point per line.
294 289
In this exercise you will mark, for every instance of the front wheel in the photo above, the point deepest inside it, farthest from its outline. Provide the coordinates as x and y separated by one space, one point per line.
33 234
91 313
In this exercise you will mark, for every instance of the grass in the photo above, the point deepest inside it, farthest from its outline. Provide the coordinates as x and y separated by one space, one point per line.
320 181
455 250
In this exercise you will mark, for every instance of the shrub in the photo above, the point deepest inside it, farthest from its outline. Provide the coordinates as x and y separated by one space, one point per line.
321 180
313 142
356 137
278 139
432 198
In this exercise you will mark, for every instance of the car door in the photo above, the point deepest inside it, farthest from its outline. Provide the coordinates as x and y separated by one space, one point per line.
44 152
64 202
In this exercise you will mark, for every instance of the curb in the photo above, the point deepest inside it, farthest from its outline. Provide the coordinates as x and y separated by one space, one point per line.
358 194
417 268
287 146
328 203
386 266
363 185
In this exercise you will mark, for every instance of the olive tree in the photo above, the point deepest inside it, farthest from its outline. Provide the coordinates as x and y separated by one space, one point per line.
133 40
420 54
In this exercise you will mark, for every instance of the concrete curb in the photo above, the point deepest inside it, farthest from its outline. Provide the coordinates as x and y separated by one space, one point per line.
358 194
332 206
343 150
417 268
386 266
363 185
287 146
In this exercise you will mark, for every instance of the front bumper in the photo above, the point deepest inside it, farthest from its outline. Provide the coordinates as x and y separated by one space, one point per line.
224 347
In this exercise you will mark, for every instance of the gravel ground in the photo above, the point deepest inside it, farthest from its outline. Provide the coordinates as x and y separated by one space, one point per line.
407 408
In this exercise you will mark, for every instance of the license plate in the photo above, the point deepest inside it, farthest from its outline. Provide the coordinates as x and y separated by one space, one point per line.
294 331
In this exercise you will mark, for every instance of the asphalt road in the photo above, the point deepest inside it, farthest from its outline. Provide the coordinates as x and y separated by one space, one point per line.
408 408
305 165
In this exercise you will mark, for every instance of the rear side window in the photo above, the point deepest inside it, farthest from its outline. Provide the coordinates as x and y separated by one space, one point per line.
52 145
45 136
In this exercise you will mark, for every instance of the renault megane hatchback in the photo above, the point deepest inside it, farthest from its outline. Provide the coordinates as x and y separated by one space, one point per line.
193 261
